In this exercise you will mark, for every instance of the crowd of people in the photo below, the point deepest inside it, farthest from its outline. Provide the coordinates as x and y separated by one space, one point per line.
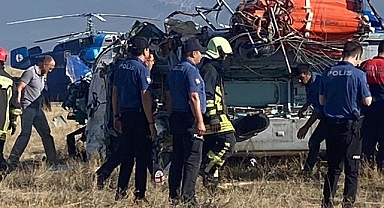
346 98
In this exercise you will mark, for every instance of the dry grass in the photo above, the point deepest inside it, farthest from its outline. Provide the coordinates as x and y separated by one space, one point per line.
274 184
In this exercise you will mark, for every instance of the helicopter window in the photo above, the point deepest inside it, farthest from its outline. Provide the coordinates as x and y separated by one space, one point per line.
85 42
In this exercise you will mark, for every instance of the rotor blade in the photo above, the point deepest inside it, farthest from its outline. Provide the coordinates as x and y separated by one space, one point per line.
130 16
99 17
57 37
44 18
73 36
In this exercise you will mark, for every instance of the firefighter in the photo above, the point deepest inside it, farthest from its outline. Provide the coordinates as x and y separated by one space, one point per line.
219 138
343 89
8 107
185 98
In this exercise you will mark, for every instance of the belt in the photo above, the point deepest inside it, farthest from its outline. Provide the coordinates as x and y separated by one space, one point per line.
132 109
339 120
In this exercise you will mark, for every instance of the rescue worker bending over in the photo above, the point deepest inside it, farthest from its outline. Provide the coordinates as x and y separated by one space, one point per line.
219 139
186 102
311 81
343 88
372 130
9 109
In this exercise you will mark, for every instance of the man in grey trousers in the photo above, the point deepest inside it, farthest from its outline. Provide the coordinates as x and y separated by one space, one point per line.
30 96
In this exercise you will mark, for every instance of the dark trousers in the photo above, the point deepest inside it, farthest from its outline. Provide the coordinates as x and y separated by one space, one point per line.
314 143
343 144
220 144
186 157
33 117
373 133
135 146
71 141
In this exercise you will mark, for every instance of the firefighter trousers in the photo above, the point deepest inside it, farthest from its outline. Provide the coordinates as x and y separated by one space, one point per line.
217 148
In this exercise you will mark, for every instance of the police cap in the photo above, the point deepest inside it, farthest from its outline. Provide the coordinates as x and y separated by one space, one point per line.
193 44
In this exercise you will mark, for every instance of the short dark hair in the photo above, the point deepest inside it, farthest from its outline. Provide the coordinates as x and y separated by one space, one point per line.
138 45
352 48
381 47
301 69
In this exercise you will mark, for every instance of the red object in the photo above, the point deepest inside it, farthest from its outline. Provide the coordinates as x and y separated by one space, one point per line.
3 55
321 20
374 68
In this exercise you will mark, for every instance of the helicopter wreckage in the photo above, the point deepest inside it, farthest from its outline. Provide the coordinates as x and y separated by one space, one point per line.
269 39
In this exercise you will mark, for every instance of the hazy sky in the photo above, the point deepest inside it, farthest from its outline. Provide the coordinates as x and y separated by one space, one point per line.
12 36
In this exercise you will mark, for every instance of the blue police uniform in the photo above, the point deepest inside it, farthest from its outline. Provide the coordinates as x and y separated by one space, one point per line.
131 77
318 136
343 87
182 80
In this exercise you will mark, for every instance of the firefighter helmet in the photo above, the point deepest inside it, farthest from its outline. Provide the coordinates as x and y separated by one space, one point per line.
3 55
215 43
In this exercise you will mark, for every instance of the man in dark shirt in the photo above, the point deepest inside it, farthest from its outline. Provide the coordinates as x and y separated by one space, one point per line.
372 130
186 100
311 81
132 108
343 89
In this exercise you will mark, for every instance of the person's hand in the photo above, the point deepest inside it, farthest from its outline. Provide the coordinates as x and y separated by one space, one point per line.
200 128
301 113
214 124
117 124
153 130
13 127
302 132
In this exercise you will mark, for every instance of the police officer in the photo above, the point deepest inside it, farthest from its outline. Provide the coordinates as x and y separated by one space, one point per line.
372 130
114 160
311 81
29 90
186 102
219 139
132 108
8 107
343 89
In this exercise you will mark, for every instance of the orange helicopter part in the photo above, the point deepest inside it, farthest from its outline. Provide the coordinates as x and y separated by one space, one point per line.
322 20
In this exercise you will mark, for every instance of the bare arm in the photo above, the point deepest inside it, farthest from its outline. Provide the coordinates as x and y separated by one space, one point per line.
20 89
115 104
195 107
146 99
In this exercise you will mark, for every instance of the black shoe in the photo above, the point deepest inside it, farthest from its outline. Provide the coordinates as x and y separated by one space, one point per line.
175 201
140 200
347 203
191 202
326 204
100 182
121 195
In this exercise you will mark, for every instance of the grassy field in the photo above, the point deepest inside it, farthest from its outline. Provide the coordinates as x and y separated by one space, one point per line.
271 184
